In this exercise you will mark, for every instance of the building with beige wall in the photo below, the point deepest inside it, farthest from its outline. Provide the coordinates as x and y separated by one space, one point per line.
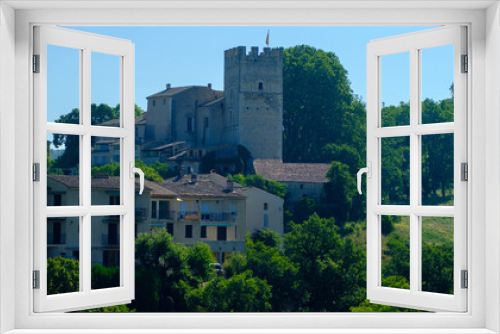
192 208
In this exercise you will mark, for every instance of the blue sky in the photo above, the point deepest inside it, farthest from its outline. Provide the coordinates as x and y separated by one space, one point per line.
194 56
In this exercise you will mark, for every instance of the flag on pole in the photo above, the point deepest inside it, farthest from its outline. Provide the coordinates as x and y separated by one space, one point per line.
267 38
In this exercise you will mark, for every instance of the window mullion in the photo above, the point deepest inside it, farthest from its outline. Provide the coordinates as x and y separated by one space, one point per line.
85 173
414 171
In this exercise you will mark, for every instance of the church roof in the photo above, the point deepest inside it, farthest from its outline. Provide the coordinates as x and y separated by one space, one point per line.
277 170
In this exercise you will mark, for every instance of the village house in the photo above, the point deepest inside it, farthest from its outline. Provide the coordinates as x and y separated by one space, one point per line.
192 208
301 179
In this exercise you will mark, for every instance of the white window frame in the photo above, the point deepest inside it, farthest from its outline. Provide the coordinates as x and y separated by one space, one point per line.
86 44
483 131
413 44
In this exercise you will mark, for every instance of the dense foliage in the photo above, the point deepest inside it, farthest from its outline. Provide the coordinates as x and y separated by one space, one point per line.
258 181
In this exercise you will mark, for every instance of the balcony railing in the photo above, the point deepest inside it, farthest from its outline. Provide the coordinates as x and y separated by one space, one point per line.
56 239
110 240
164 215
188 215
207 216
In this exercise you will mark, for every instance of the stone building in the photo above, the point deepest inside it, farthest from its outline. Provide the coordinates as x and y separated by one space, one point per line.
248 112
193 208
301 179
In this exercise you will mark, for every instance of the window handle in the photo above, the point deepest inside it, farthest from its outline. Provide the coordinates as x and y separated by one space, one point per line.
368 171
134 170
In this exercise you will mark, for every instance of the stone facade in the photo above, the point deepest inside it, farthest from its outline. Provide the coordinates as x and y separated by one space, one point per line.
248 112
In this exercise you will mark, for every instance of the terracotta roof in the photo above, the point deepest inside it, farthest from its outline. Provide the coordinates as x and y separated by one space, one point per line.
274 169
111 182
203 187
174 187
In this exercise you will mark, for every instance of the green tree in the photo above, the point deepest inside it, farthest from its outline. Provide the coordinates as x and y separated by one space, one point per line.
171 268
339 191
332 270
437 268
240 293
199 257
149 172
105 277
112 169
398 254
317 100
62 275
258 181
163 170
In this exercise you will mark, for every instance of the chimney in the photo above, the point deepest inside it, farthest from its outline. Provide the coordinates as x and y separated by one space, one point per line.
230 186
168 86
194 178
209 85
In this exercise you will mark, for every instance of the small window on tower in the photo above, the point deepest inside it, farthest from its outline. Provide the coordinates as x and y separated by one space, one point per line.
189 124
154 103
261 86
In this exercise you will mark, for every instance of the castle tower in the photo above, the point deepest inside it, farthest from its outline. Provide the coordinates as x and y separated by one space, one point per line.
253 89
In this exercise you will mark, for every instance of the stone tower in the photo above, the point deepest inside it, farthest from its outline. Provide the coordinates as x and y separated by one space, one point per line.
253 85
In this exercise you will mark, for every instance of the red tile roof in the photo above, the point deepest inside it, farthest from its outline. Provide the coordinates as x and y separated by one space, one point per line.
277 170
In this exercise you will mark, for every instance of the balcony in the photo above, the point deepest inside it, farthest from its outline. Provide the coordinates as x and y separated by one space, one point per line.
110 240
165 215
188 215
207 216
56 239
218 216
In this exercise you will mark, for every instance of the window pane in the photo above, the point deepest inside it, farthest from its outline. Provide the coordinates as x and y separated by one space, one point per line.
165 210
105 170
395 251
396 171
437 169
105 252
63 169
395 89
437 254
63 255
437 84
154 213
63 84
105 93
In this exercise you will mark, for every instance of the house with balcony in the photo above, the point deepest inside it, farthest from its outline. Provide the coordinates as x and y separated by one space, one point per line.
205 211
192 208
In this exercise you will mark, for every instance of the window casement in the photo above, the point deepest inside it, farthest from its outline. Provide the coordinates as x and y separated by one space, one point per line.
118 238
412 133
